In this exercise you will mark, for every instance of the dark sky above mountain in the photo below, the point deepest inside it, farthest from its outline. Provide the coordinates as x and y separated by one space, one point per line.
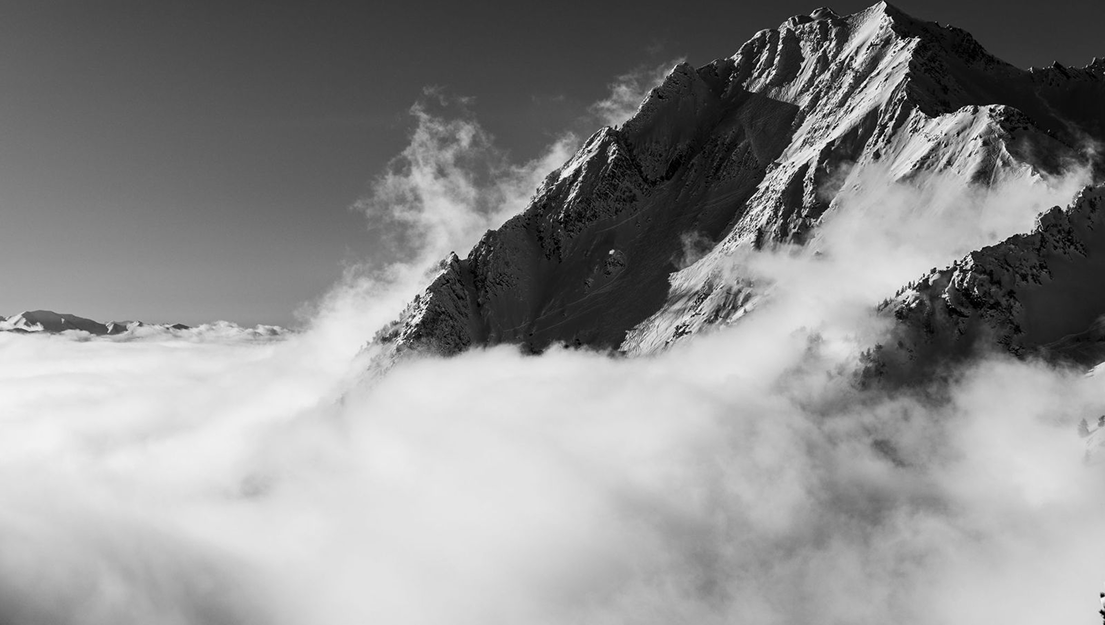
187 161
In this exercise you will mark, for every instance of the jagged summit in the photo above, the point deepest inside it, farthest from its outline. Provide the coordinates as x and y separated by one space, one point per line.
875 11
745 152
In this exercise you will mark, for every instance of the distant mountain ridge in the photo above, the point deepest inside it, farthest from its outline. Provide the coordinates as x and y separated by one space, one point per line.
50 322
747 152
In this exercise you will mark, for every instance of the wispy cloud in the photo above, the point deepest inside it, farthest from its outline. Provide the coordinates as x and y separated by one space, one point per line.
452 182
627 91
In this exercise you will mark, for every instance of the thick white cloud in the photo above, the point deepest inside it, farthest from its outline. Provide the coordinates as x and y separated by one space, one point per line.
716 483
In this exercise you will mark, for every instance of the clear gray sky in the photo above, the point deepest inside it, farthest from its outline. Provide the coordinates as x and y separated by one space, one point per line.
191 161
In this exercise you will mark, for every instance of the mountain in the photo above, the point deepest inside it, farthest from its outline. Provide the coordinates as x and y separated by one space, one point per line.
634 242
52 322
49 322
1039 294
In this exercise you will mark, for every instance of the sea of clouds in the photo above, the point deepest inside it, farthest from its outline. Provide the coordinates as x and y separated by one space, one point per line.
738 478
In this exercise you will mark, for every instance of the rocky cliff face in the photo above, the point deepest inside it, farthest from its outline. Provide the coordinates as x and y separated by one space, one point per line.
1037 294
631 244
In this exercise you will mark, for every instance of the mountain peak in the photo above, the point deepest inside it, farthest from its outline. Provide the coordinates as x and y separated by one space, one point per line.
889 11
873 13
748 151
50 321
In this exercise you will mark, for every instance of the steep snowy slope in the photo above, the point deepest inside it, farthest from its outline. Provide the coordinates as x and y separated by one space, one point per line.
633 243
1041 294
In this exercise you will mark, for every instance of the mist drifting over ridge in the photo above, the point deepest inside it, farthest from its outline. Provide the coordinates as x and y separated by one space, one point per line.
738 476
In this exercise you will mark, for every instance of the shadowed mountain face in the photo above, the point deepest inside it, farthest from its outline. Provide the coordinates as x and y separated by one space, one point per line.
632 244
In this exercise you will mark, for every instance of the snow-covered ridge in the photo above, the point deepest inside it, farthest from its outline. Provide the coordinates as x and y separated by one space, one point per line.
746 152
1036 294
49 322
